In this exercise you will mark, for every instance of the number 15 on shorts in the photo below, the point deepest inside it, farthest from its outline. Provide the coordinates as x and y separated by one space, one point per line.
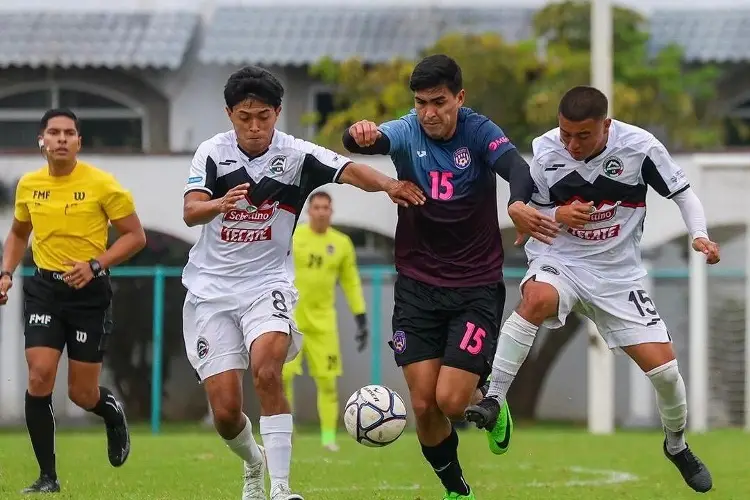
473 339
645 306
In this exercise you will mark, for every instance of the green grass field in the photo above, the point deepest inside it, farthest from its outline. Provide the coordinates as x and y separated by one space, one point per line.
544 463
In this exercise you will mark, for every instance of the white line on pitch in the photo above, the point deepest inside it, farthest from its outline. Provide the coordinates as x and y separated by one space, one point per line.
605 477
324 460
380 487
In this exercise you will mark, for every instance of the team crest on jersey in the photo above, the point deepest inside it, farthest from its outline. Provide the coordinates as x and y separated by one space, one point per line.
613 166
330 249
277 164
462 158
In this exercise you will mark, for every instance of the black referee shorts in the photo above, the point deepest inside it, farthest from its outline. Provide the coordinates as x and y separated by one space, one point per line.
57 315
458 325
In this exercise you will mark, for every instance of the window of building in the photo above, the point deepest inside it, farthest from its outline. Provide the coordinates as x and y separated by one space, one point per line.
323 107
106 122
737 125
322 102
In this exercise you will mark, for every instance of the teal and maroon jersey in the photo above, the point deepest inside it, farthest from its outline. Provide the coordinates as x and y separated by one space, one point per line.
453 240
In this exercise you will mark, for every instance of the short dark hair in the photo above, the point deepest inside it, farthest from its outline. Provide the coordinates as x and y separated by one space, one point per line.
54 113
253 82
321 194
583 103
434 71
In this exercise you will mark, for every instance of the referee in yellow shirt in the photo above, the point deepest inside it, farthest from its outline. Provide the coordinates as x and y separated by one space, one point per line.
323 256
67 205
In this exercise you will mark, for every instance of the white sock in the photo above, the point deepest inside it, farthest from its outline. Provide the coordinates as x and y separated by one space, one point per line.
671 401
244 445
516 338
276 432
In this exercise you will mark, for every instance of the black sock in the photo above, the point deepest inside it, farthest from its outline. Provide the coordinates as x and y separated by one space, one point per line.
444 461
107 407
40 421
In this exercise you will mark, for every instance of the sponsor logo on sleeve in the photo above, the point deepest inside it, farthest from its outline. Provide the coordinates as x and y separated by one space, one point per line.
494 145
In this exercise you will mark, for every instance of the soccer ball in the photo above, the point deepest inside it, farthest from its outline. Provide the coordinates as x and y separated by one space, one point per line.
375 416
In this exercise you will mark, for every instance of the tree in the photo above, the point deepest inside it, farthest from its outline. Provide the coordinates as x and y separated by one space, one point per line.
381 92
510 84
655 92
378 93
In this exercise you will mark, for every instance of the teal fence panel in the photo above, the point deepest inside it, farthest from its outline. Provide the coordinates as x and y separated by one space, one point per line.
377 276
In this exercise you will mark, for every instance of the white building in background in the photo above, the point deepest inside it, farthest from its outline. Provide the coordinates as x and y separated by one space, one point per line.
148 75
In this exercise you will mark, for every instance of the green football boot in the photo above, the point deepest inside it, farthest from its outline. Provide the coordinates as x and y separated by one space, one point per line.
487 414
456 496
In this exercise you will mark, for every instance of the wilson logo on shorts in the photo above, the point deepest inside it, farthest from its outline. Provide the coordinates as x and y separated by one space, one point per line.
201 347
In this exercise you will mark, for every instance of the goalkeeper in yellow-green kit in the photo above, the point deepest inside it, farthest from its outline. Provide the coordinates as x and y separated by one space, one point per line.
323 256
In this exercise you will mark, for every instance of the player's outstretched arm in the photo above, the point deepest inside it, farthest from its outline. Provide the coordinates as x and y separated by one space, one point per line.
513 168
528 221
366 178
694 216
199 208
661 172
365 138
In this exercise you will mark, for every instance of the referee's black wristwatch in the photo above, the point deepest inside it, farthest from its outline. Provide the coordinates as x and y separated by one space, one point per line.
95 266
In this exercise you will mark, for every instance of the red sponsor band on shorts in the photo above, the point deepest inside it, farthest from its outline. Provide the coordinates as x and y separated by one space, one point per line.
238 235
598 234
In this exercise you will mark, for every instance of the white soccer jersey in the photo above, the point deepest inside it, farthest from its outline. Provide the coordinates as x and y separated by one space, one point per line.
250 245
616 181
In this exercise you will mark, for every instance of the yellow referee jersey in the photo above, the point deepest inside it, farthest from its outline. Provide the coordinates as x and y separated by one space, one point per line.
70 214
320 260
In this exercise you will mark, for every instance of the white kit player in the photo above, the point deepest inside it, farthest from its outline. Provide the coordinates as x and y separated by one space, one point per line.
246 188
592 175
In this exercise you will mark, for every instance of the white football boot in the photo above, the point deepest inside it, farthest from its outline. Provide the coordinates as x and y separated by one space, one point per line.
255 479
282 492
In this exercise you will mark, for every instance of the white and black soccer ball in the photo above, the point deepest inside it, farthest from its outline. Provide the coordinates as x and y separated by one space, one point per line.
375 416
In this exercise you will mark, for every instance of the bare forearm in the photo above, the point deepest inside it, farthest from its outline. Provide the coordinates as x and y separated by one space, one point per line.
197 212
13 251
365 178
121 250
